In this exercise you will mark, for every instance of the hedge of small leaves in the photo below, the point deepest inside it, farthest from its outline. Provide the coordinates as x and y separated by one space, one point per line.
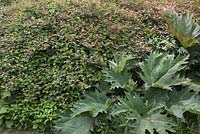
52 52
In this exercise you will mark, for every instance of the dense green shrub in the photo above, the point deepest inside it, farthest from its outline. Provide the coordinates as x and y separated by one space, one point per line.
52 52
5 2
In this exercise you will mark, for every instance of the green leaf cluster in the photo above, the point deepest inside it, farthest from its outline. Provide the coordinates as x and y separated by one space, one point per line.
5 102
83 115
161 70
184 28
156 106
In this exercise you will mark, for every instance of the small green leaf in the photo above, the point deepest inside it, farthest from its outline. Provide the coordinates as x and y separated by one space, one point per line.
3 110
35 126
6 94
9 123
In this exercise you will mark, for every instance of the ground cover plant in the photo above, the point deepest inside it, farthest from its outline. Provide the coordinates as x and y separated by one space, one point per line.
53 51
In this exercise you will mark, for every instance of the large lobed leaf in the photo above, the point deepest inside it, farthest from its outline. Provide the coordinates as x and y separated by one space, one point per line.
184 28
177 102
117 80
181 101
161 70
119 64
142 117
117 75
80 120
78 125
93 103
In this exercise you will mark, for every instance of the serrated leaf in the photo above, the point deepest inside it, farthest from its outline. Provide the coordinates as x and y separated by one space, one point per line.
184 28
118 75
94 103
119 63
129 104
181 101
116 79
143 117
161 71
155 121
77 125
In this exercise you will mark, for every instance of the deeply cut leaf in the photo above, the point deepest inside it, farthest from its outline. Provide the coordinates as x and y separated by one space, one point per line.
142 117
117 80
119 63
117 75
182 101
78 125
161 71
94 103
184 28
